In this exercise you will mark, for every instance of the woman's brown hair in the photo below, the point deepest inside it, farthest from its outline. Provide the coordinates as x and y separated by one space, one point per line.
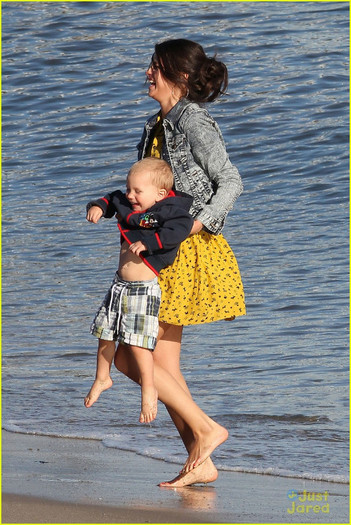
185 63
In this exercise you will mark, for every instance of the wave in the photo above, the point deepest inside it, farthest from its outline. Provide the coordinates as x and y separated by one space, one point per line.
271 471
119 442
282 418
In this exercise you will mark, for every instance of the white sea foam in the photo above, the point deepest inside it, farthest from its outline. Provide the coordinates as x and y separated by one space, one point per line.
119 442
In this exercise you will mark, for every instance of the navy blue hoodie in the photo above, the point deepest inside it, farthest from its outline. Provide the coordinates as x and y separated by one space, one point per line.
161 228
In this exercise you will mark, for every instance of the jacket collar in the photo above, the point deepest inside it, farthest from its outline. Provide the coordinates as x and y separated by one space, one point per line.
175 113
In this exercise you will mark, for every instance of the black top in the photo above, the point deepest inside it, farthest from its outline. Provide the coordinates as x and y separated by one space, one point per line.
161 228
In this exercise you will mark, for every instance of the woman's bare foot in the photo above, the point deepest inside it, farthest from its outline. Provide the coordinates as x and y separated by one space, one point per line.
95 391
204 473
149 399
204 446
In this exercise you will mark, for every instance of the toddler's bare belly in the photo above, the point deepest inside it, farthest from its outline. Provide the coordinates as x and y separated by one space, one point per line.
131 267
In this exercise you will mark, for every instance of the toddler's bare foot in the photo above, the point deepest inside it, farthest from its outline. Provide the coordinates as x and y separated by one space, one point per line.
204 446
95 391
204 473
149 398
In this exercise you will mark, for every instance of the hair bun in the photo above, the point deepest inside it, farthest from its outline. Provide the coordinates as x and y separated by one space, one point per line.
211 68
213 78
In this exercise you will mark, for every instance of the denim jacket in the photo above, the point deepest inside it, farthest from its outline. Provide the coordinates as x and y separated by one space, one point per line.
195 149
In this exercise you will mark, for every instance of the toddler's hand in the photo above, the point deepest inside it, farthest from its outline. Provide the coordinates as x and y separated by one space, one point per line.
94 214
137 247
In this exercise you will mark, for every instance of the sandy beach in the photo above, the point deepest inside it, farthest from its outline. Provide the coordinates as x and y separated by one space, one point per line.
51 480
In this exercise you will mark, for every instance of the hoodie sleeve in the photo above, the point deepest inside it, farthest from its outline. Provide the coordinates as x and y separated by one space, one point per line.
112 203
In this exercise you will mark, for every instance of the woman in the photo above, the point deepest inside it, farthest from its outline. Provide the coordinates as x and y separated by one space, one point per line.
204 283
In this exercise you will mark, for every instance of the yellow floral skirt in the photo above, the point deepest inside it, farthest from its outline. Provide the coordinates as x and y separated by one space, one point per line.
203 284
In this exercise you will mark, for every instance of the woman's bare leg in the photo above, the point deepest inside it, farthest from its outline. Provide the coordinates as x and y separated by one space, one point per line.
103 381
167 355
207 434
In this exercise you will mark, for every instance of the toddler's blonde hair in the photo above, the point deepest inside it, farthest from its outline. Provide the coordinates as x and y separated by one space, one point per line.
159 170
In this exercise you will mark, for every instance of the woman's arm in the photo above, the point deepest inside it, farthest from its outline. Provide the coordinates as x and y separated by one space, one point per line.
209 152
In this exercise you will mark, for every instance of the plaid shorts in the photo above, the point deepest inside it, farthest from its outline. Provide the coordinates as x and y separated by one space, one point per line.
129 313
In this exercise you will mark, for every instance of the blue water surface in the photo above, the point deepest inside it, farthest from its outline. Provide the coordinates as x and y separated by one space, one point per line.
74 104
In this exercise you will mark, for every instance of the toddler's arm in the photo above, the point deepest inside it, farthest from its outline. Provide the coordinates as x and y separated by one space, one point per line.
137 247
94 214
106 205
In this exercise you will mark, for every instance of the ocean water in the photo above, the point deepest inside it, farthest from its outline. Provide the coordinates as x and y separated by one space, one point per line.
74 103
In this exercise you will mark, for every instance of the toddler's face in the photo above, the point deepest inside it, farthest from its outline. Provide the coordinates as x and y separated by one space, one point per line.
141 192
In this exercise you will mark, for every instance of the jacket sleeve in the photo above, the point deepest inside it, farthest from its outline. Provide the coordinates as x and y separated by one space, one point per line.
109 204
170 231
209 152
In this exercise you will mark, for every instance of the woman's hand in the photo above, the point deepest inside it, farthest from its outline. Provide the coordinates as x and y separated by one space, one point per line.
197 227
94 214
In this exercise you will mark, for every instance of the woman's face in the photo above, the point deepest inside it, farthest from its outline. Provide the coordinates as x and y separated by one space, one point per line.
161 89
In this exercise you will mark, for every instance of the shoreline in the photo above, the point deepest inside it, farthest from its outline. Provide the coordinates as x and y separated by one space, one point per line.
65 480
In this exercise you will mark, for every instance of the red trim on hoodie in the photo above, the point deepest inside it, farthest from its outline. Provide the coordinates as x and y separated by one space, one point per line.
148 264
158 240
133 213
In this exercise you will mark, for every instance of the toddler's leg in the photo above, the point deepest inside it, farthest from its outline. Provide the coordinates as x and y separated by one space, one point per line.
149 396
103 381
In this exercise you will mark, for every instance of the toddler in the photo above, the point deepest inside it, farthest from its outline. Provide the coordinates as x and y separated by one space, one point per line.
152 220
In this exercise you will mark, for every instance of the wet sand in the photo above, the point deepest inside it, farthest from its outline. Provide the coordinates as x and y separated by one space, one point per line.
62 480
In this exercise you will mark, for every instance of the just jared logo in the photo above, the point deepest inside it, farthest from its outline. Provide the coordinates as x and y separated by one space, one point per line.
308 502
